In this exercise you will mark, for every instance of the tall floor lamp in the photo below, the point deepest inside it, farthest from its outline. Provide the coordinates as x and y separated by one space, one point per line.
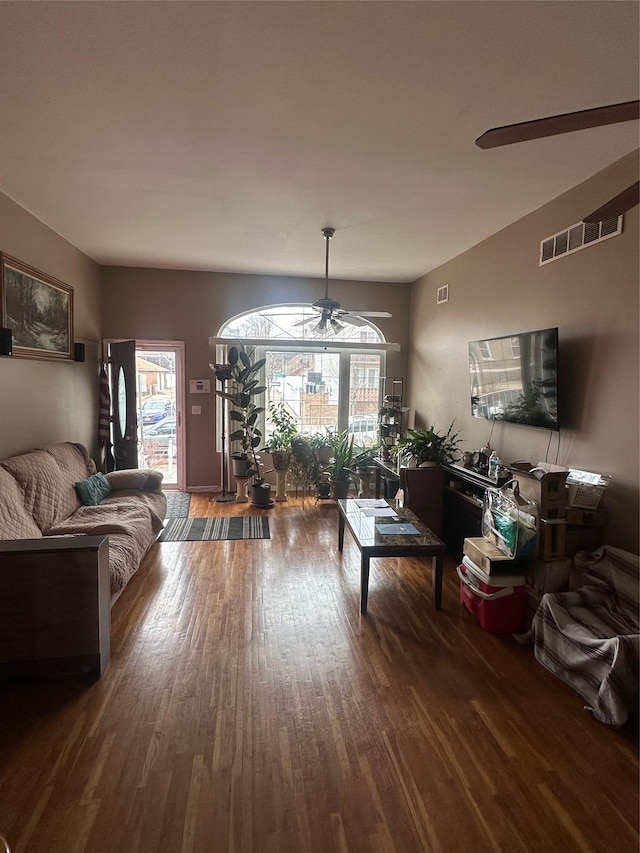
225 495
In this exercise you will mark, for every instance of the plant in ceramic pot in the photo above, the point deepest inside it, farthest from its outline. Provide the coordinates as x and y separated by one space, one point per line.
363 467
241 374
427 446
340 468
321 444
304 467
279 444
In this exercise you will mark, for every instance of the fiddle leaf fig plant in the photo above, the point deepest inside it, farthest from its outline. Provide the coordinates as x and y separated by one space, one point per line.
240 386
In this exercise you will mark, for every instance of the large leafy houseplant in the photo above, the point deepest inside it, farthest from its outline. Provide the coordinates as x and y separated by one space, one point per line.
240 373
285 430
343 452
428 445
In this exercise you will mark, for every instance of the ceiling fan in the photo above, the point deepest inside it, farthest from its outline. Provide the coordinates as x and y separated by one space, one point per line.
567 123
332 315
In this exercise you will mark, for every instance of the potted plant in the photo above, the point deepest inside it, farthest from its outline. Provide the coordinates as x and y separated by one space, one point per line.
423 483
304 468
428 447
243 412
341 465
363 467
322 446
279 445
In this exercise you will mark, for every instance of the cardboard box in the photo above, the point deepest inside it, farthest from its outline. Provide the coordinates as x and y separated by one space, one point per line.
552 539
491 559
548 491
587 517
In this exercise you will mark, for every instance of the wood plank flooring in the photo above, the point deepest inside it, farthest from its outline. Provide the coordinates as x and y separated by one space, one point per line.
249 708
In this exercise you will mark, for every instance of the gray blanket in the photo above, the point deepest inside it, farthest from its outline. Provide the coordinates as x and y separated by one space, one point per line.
590 636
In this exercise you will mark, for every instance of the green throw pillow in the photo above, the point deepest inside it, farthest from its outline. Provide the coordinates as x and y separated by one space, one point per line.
92 490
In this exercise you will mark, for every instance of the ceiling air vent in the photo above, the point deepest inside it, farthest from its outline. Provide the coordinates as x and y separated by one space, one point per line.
577 237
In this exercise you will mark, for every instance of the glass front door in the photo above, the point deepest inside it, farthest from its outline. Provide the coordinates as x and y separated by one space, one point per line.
160 409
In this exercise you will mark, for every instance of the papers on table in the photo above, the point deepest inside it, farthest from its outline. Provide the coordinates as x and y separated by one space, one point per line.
379 511
373 507
406 529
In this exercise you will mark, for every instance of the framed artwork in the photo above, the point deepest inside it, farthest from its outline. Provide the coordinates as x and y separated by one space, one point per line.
38 309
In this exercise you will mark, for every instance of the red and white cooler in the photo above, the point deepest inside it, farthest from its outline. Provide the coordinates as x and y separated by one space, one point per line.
498 602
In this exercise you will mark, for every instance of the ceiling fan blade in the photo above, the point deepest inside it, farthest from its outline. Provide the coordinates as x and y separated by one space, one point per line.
352 319
305 322
564 123
623 202
369 313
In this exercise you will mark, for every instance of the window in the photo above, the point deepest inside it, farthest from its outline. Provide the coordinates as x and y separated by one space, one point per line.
332 382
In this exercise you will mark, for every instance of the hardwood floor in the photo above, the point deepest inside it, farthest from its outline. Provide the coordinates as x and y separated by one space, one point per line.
249 708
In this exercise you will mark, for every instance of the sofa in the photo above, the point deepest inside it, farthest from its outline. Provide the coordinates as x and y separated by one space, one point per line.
56 491
589 635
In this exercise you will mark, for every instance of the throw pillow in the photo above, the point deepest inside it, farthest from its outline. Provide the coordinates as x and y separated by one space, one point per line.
92 490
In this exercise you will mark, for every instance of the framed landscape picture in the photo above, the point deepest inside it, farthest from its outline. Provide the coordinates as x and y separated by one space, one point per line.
38 309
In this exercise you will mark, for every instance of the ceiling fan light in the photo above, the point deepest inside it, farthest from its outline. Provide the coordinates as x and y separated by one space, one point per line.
337 326
321 328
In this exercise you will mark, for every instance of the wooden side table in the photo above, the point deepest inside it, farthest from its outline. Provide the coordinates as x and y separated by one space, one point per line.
56 605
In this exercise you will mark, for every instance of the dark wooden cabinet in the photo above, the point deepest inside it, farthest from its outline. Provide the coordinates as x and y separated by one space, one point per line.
464 492
55 613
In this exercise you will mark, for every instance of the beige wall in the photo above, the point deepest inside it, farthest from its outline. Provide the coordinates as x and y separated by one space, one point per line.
43 401
192 306
497 288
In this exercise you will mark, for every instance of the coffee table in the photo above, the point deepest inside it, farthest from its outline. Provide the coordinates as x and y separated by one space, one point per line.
372 543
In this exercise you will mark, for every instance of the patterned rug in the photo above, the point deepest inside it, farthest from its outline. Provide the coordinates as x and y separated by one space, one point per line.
199 529
178 504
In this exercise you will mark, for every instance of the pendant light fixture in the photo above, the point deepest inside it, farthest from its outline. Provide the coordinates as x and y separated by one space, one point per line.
327 324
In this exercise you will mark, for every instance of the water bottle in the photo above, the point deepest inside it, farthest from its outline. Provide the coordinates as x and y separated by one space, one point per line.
494 465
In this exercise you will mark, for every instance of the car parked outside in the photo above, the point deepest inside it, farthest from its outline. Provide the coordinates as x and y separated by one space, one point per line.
154 410
364 429
157 439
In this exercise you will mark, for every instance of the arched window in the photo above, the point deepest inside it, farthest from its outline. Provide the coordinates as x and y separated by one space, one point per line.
329 380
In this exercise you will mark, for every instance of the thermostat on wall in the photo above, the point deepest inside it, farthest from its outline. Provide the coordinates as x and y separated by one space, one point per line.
199 386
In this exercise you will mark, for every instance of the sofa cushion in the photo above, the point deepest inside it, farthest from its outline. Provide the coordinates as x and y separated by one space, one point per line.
93 489
72 457
15 521
48 492
146 479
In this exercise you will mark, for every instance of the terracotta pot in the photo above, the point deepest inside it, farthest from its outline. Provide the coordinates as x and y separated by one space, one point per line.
324 455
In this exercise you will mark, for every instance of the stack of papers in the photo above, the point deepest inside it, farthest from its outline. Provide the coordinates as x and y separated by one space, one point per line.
375 507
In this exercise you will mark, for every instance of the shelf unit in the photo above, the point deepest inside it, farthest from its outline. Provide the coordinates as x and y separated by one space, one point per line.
391 412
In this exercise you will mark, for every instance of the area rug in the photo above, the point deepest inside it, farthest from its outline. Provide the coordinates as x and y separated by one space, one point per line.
199 529
178 504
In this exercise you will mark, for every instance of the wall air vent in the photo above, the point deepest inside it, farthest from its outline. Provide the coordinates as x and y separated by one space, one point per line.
442 294
577 237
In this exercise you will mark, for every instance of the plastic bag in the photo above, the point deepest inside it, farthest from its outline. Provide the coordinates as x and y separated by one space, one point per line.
509 521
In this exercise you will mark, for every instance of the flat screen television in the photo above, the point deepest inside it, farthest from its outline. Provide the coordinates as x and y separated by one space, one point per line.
515 378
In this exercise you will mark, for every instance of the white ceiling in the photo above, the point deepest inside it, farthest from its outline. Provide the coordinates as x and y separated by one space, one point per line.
225 135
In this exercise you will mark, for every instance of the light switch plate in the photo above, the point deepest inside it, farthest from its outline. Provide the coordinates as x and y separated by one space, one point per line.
196 410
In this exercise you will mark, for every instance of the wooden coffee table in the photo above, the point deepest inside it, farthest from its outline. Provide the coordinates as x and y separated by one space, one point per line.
372 543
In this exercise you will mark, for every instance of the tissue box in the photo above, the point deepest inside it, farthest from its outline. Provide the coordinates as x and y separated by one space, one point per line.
547 490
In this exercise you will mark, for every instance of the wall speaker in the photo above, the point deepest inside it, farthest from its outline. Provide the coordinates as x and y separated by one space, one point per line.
78 352
6 342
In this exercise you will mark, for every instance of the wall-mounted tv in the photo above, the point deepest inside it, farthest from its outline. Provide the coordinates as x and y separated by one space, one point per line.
515 378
